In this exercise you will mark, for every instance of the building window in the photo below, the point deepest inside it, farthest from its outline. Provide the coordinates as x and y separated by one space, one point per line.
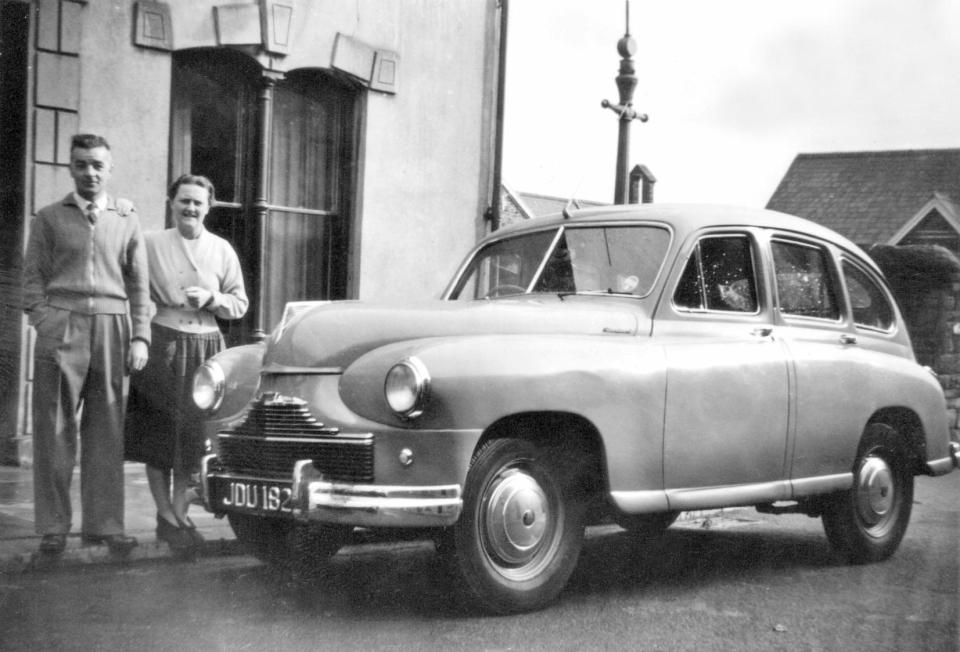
311 161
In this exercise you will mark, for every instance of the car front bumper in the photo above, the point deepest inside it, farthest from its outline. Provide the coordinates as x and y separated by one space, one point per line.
312 498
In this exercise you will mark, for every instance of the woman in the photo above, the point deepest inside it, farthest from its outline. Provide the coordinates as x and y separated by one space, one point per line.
195 277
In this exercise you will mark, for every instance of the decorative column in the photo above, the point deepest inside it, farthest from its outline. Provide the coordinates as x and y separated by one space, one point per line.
261 205
626 83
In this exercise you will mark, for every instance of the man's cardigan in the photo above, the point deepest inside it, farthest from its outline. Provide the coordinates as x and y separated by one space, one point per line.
97 267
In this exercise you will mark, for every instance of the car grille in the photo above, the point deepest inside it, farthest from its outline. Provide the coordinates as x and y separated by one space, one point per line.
279 430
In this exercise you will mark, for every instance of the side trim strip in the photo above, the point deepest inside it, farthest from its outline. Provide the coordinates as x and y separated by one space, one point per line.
730 496
822 484
650 501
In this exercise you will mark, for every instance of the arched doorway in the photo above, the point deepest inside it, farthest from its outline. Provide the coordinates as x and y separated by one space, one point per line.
281 153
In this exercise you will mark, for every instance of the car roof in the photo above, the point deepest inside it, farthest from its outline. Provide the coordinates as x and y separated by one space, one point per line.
686 218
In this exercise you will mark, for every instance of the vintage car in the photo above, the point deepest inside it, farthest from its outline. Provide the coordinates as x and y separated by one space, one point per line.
618 364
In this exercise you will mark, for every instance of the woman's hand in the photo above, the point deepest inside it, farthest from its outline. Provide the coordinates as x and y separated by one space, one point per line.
198 297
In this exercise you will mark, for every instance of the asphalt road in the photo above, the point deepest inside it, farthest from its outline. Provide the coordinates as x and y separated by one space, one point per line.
744 582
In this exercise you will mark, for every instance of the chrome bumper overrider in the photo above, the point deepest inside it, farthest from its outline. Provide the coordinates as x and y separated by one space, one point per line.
312 498
946 464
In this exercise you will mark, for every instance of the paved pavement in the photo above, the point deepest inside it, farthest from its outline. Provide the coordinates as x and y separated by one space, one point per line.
19 541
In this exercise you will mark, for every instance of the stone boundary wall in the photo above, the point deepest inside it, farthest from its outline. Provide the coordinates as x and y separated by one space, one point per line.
932 315
925 279
942 347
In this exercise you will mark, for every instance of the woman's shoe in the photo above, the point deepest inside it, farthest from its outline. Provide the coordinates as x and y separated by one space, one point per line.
187 526
176 537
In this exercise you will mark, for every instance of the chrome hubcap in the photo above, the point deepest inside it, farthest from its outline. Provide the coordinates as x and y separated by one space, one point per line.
876 491
516 518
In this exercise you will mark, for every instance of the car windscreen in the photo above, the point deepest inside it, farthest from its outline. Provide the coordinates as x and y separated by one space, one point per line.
578 259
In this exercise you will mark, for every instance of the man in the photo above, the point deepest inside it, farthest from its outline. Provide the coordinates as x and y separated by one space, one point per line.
86 292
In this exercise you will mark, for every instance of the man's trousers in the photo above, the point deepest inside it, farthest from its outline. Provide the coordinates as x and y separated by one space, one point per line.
79 371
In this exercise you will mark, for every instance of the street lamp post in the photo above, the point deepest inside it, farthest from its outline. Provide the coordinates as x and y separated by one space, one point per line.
626 83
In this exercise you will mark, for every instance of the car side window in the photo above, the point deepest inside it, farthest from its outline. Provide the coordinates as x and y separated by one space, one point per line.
871 308
719 276
805 287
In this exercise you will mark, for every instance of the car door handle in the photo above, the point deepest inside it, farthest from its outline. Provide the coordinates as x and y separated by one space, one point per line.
848 339
763 331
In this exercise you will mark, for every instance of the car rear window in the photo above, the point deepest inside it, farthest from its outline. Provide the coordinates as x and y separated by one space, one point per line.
871 309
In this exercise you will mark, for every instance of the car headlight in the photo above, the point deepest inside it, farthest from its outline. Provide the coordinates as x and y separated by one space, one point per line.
208 385
406 388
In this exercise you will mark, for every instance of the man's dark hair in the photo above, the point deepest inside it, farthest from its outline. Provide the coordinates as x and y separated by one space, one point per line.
192 180
88 141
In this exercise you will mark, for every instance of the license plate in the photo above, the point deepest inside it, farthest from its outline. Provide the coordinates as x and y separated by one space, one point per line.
252 496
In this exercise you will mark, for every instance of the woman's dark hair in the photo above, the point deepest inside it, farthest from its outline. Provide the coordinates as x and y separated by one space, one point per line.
191 180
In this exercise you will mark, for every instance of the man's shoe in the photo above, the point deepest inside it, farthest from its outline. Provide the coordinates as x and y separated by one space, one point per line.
119 544
53 544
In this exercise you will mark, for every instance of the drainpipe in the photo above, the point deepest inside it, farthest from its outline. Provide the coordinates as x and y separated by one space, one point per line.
493 211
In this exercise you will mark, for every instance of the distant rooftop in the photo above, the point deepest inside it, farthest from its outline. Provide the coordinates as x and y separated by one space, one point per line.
867 196
517 205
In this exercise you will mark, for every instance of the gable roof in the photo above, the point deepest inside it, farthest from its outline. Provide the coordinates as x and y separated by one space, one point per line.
867 196
939 206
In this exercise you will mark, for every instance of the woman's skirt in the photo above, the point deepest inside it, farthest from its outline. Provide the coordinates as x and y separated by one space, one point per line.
163 427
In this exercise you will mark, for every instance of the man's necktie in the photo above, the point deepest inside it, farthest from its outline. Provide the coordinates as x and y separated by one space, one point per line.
92 213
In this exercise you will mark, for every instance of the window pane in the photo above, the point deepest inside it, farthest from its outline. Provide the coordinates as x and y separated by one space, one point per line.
299 263
308 141
728 278
804 285
609 260
310 161
616 260
690 293
211 93
504 267
870 305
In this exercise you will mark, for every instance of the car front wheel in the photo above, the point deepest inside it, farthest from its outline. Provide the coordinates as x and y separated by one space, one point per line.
520 534
867 522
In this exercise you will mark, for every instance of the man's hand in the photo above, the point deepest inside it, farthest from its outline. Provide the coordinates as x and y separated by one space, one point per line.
137 357
198 297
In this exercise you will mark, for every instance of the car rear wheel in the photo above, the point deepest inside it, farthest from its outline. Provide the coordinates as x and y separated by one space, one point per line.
287 545
520 534
867 522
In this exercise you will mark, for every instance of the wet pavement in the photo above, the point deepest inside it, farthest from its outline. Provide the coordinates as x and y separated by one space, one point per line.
19 541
